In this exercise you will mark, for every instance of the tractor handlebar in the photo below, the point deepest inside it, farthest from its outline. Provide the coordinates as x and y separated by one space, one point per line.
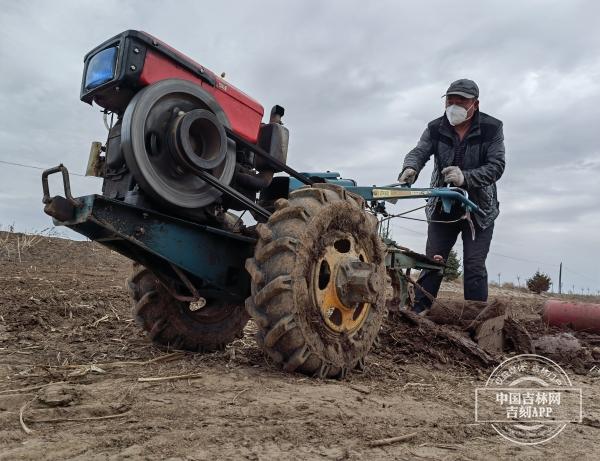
393 192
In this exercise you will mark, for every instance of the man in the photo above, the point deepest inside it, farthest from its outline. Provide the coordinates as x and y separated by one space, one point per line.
468 151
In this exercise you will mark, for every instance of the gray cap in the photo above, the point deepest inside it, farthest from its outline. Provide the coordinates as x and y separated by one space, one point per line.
464 87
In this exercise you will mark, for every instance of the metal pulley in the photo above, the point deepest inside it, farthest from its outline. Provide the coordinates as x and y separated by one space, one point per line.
169 130
198 140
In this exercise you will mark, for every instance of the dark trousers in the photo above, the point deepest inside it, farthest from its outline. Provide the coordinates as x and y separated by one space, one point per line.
440 240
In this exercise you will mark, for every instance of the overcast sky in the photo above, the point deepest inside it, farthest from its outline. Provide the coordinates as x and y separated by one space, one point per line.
359 81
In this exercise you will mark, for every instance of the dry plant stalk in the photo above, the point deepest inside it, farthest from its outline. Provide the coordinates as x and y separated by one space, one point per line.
359 388
169 378
238 394
90 418
161 358
22 419
5 244
29 388
28 241
416 384
391 440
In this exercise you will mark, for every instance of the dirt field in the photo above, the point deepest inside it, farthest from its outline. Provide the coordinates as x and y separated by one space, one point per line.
76 370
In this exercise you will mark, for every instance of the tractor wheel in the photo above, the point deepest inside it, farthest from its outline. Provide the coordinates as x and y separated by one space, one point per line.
318 282
173 323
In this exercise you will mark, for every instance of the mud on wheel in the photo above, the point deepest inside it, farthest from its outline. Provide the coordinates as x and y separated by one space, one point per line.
318 282
177 324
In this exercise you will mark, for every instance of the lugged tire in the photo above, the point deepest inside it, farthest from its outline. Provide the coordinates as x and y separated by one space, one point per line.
170 322
291 328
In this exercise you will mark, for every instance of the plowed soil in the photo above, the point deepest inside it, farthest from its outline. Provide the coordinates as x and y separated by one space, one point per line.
78 380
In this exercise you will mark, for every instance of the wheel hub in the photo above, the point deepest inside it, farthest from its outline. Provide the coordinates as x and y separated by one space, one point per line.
356 282
345 285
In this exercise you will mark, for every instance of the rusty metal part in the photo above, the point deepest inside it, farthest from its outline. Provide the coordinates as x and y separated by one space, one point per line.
95 160
197 305
63 209
356 282
190 286
175 294
60 208
339 315
420 288
66 184
396 290
428 295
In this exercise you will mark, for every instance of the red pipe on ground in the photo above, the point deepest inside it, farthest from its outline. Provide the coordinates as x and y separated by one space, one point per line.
578 316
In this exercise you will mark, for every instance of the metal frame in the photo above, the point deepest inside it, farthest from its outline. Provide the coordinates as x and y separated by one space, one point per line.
211 259
202 260
402 260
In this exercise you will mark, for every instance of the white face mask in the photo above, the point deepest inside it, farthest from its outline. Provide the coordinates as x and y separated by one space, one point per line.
457 114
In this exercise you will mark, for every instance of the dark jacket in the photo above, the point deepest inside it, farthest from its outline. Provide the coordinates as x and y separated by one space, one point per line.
483 162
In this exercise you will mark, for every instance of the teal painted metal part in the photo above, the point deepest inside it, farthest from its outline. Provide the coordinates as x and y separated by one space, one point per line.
329 176
448 195
398 260
401 260
213 258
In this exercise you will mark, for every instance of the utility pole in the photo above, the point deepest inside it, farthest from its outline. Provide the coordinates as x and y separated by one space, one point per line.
519 281
560 279
498 278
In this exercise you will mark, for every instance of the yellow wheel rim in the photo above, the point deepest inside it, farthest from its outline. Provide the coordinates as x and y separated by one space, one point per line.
338 317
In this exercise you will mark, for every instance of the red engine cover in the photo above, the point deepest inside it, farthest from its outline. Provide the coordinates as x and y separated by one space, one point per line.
244 113
143 60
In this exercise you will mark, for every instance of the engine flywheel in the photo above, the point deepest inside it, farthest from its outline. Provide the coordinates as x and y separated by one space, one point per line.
169 129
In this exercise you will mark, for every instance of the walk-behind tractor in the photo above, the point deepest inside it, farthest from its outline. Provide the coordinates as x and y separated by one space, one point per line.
186 150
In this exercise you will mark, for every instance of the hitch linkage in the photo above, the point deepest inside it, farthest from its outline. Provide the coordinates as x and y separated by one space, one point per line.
61 208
